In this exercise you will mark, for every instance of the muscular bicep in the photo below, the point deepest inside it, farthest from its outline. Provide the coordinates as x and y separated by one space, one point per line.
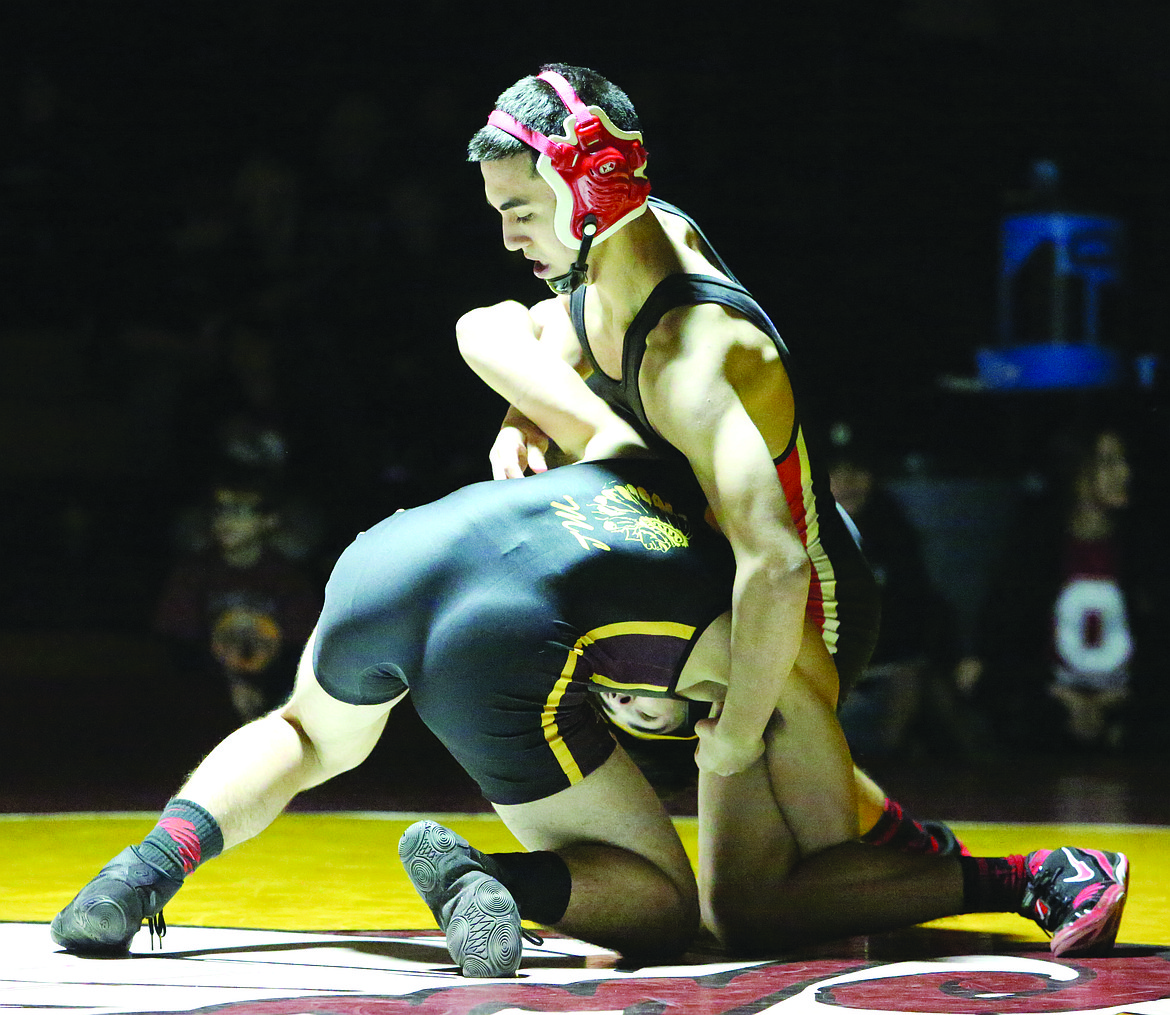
756 374
735 466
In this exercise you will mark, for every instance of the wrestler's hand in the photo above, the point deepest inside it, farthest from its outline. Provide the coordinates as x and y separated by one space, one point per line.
518 448
721 754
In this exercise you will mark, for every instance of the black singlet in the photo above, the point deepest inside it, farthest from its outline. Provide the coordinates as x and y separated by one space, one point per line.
501 605
843 596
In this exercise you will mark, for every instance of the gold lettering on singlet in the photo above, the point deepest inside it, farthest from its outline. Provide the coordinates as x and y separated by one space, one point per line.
574 521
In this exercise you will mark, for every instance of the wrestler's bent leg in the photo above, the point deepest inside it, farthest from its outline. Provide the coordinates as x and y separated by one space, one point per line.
251 776
238 789
759 895
632 885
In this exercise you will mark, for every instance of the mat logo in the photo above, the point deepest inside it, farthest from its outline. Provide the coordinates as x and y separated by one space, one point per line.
953 986
233 972
1003 984
1000 984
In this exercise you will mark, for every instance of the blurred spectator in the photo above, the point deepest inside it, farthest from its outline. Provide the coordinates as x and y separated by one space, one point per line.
902 690
1065 648
238 611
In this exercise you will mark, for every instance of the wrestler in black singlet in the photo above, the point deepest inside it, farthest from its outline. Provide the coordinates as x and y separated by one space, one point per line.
843 596
501 604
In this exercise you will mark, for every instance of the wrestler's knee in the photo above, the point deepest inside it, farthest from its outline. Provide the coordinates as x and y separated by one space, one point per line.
627 902
671 922
742 922
338 736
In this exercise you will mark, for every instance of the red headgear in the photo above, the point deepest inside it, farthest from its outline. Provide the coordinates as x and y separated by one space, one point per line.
595 169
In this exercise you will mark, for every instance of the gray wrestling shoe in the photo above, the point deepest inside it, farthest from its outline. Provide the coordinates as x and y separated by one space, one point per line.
107 913
471 907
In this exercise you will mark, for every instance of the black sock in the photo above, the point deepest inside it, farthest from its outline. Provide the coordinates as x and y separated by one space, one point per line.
993 884
895 829
539 882
186 836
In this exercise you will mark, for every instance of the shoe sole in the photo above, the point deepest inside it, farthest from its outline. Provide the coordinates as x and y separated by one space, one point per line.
483 925
483 933
1096 931
422 848
100 927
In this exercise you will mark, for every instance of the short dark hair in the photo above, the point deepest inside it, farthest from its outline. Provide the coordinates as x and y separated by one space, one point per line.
536 104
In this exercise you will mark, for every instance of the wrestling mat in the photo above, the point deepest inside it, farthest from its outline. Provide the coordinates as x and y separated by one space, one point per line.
247 936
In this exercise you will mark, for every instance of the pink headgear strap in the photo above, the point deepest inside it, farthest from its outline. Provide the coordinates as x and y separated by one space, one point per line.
595 169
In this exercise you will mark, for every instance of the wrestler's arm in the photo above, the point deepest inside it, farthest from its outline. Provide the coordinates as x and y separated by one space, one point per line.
528 356
715 388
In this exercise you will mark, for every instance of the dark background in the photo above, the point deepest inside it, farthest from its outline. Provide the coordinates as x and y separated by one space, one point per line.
261 210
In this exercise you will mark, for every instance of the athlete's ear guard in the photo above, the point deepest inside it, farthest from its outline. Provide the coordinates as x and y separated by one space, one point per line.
596 169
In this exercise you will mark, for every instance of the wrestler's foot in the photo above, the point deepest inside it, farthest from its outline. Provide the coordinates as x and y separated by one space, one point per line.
1077 895
471 907
107 913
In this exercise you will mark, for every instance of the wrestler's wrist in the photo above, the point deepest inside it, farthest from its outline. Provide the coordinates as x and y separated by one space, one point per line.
741 729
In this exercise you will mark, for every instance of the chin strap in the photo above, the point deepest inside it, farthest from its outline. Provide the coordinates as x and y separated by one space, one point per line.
574 278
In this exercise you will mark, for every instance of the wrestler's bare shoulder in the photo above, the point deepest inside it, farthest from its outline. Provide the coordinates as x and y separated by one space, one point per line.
694 255
712 332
